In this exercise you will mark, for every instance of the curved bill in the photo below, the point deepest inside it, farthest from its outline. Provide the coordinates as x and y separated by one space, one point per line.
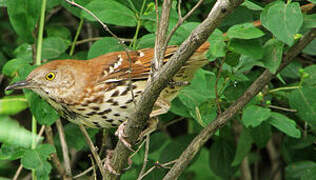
19 85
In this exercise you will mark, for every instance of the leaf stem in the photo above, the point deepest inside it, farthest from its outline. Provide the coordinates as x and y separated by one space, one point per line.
283 88
72 49
139 22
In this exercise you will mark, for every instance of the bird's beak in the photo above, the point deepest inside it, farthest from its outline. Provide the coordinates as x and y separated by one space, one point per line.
19 85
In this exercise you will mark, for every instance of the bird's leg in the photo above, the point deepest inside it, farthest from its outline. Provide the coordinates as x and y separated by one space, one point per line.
108 166
121 135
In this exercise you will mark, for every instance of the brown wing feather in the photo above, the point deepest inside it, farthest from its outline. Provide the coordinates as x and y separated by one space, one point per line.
116 66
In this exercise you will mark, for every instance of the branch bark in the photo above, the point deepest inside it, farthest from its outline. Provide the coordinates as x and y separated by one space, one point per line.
144 106
220 121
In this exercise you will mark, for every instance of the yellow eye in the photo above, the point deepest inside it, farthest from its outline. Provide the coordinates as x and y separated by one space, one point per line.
50 76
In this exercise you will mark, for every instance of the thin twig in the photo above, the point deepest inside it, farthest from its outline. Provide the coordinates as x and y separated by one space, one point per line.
64 147
181 19
19 170
145 157
93 149
50 139
217 99
155 166
87 170
93 167
99 38
282 108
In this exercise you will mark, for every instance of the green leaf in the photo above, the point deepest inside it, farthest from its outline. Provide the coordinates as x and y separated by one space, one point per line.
298 169
11 105
182 33
309 21
37 159
284 124
23 16
252 6
24 52
58 31
254 115
103 46
273 51
217 48
200 168
292 70
311 79
304 101
12 133
283 20
243 147
73 9
251 48
178 108
53 47
310 48
205 112
12 67
221 158
11 152
146 41
43 112
244 31
261 134
110 12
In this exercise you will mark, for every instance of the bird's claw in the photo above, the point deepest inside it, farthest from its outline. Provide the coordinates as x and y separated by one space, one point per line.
121 135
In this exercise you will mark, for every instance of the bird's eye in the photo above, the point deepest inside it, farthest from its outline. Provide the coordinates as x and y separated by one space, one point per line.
50 76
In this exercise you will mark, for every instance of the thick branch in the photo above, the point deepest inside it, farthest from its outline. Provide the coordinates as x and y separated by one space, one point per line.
253 90
138 119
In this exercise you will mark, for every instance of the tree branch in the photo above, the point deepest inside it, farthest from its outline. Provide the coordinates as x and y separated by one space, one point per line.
144 106
220 121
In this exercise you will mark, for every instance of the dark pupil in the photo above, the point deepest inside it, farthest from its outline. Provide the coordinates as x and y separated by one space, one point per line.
50 76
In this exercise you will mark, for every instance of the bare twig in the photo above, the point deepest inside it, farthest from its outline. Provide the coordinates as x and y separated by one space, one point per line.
93 167
155 166
64 147
282 108
275 160
217 99
49 136
93 150
98 38
245 170
162 29
19 170
220 121
145 157
181 19
87 170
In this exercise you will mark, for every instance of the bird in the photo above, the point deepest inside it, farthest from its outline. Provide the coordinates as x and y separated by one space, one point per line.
101 92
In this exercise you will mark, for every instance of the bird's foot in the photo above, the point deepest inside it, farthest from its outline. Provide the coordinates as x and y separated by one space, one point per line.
121 135
108 166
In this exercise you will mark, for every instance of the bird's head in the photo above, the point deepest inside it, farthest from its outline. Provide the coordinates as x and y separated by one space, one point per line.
55 79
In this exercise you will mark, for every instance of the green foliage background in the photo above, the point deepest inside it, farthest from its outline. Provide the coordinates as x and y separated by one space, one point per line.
282 114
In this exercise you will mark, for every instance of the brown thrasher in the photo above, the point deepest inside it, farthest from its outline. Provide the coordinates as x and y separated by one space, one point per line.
97 92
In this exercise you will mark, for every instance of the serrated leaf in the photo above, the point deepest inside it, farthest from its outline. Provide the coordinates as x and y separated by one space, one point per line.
23 16
244 31
283 20
254 115
53 47
11 105
111 12
284 124
103 46
251 48
12 133
31 159
43 112
11 152
243 147
273 51
304 101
